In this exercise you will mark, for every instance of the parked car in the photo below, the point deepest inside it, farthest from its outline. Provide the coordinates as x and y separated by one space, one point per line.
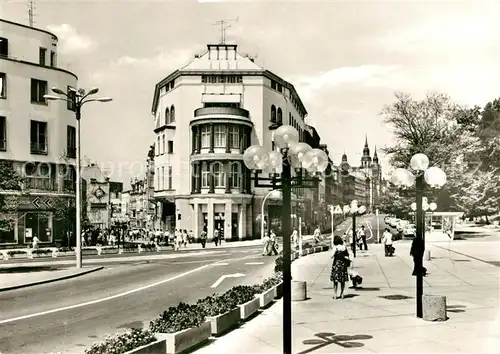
402 224
410 230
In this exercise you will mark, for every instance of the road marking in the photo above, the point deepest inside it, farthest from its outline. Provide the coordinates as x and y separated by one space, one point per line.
106 298
220 264
221 279
254 263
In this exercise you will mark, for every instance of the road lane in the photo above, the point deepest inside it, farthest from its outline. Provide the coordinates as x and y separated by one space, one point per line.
72 330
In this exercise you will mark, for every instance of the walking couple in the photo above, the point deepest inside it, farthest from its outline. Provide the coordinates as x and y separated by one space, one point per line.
270 244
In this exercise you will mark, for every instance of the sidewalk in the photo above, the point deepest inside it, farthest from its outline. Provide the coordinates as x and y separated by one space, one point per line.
380 316
29 276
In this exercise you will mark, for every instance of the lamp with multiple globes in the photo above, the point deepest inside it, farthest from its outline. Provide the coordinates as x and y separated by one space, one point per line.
77 97
354 210
435 178
278 168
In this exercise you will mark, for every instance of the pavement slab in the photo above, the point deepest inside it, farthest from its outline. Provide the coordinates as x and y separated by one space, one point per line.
380 316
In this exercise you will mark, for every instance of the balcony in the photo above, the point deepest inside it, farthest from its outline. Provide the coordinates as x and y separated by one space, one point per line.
205 111
38 148
45 184
71 152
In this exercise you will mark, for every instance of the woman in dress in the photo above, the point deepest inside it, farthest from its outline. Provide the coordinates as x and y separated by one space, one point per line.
340 264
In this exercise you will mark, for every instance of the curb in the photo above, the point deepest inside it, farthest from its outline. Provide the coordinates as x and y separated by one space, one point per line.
51 280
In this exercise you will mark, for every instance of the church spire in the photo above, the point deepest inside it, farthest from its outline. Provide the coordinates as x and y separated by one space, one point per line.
366 160
375 156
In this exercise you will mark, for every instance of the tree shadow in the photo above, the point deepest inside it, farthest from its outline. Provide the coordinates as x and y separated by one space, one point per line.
360 288
326 338
395 297
26 269
456 308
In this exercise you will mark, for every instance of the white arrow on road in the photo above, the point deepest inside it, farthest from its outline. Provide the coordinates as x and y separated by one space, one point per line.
221 279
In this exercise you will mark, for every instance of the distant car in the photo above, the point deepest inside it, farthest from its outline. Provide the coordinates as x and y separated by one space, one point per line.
410 230
402 224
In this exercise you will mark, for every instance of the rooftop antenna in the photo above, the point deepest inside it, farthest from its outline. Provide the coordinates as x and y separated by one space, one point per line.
31 12
223 27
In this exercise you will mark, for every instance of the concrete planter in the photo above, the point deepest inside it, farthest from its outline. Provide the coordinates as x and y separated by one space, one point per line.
266 297
222 323
278 291
42 255
302 253
160 346
292 257
179 342
318 249
90 252
310 251
325 248
18 256
249 308
109 251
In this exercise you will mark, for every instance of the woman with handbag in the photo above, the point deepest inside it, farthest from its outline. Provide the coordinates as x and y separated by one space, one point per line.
340 264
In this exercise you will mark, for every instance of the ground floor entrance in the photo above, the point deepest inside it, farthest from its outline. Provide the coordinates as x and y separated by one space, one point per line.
230 217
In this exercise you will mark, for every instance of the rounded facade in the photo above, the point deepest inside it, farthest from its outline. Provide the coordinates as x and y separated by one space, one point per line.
37 136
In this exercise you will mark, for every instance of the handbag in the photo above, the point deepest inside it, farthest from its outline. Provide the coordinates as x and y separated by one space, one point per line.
347 262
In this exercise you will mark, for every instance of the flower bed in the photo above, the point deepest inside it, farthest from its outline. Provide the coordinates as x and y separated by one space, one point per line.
123 343
186 326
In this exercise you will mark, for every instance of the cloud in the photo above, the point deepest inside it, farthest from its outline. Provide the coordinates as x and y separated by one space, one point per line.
167 59
363 74
70 41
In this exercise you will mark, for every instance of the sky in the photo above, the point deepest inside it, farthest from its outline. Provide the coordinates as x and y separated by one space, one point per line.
346 60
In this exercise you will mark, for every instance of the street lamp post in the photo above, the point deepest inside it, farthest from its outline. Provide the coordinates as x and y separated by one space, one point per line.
77 97
354 210
436 178
273 193
297 155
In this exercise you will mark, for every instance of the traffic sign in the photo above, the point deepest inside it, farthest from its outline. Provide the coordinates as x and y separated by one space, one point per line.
337 210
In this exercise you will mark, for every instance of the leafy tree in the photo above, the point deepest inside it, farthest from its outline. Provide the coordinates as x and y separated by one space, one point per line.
10 181
439 128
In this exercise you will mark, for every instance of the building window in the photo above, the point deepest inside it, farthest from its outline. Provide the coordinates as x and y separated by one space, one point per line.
169 177
37 224
234 138
279 117
205 136
38 137
273 114
38 90
235 175
219 136
38 176
163 177
170 147
71 142
41 56
172 114
70 104
158 146
243 142
273 85
167 116
53 59
204 176
222 79
163 143
3 85
4 47
3 134
219 175
157 178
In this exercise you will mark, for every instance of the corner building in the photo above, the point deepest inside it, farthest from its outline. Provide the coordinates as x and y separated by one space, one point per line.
37 137
205 115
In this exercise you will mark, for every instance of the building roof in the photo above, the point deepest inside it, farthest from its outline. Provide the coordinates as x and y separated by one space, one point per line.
29 27
209 63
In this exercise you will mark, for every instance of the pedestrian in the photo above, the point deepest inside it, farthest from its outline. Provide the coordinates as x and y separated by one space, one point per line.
178 239
191 236
266 240
417 252
216 237
340 264
184 238
203 238
362 238
317 235
35 242
295 239
387 241
273 244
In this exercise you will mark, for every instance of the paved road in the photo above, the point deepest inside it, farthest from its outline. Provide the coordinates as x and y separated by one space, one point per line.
70 315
